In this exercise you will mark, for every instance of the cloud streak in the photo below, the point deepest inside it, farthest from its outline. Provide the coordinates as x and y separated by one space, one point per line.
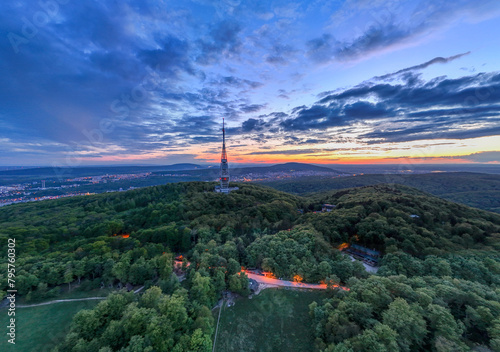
436 60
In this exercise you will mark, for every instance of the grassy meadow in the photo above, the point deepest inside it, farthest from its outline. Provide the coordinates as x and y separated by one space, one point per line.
274 320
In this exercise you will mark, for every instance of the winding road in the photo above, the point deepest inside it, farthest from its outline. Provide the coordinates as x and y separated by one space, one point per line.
270 282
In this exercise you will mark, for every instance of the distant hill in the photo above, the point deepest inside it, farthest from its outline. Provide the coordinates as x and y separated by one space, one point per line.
93 170
192 169
184 166
473 189
209 174
286 167
90 170
389 211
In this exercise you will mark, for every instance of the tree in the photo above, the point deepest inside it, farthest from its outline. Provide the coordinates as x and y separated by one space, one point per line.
68 275
161 334
151 298
86 324
324 269
202 290
165 266
407 322
121 269
379 339
200 342
219 280
79 269
239 283
174 309
204 321
138 344
444 327
140 271
233 266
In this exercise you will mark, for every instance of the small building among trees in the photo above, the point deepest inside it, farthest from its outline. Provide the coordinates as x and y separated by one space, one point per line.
327 207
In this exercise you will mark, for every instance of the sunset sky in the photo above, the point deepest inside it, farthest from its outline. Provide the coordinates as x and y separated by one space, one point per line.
148 82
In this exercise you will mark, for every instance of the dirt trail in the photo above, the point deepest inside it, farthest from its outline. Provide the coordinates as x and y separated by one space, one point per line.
59 301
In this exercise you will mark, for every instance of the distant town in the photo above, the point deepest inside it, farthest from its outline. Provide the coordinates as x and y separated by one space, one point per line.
53 188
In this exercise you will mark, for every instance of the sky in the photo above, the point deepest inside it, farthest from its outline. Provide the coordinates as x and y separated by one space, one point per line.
325 82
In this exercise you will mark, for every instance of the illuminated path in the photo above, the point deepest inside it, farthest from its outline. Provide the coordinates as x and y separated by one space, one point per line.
283 283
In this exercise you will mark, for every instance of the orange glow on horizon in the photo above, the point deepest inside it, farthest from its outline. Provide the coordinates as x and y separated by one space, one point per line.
354 161
355 152
237 158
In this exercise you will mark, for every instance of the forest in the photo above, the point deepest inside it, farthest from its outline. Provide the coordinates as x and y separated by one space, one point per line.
437 288
473 189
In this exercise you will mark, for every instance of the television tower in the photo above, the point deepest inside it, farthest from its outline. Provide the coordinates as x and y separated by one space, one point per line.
224 167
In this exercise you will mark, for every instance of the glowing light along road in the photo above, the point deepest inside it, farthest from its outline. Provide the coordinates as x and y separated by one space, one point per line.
275 282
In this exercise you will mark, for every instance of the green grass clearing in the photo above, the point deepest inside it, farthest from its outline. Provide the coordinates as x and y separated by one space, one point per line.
39 329
274 320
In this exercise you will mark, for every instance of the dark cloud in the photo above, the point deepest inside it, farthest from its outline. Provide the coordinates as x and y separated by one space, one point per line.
171 57
285 152
466 91
483 157
250 125
283 94
322 117
375 38
222 40
326 48
252 107
236 82
366 110
292 140
321 49
443 108
255 125
436 60
281 54
431 131
384 30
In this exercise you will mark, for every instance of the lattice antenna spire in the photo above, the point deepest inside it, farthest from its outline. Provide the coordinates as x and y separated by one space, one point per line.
224 154
224 167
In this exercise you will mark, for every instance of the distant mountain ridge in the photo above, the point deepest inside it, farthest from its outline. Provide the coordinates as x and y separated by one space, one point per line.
473 189
98 170
286 167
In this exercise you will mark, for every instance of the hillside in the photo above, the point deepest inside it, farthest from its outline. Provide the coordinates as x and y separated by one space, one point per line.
114 239
395 215
473 189
286 167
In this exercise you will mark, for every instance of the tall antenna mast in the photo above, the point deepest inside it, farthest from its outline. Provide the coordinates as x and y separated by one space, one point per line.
224 167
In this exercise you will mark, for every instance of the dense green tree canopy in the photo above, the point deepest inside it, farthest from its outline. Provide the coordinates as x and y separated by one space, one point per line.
436 289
